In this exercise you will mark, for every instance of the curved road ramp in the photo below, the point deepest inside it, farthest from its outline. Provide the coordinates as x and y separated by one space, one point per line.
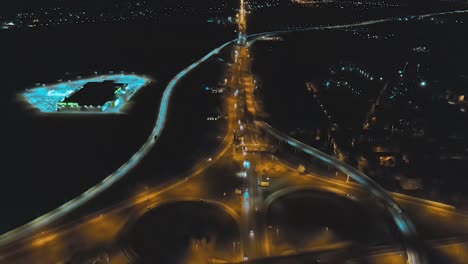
404 224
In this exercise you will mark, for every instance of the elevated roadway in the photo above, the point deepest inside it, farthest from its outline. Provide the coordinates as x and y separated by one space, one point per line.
215 181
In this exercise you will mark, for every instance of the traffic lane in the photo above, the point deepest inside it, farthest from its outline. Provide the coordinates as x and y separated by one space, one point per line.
121 172
414 248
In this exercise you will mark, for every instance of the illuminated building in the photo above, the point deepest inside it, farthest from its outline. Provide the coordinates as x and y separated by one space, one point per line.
95 96
104 94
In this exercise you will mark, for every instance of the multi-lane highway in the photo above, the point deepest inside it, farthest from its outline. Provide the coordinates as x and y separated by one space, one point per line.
243 149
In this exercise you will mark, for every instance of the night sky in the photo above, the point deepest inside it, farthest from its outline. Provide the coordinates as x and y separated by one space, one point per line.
14 6
11 7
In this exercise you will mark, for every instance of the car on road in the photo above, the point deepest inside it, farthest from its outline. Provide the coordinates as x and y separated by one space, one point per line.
264 184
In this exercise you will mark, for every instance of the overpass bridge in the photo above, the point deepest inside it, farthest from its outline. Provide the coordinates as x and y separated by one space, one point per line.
227 185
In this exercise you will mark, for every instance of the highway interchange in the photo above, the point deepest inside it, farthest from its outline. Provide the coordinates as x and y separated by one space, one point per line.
246 151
